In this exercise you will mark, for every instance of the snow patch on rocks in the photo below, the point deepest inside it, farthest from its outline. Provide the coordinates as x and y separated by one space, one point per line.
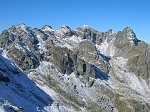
135 83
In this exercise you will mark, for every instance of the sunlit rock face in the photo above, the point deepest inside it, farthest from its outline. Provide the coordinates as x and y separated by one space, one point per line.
73 70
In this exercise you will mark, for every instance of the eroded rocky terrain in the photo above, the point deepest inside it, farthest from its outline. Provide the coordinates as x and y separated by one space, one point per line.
80 70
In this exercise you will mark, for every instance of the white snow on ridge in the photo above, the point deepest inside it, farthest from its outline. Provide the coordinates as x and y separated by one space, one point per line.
4 63
106 48
4 54
134 82
2 109
47 28
86 26
23 27
103 47
130 35
41 45
75 39
69 42
23 91
45 69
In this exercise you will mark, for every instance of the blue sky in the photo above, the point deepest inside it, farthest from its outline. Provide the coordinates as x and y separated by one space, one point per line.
100 14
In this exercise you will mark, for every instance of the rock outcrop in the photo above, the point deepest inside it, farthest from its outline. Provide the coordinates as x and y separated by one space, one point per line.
82 70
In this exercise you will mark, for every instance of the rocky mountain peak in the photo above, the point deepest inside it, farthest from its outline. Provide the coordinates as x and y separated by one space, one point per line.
64 31
23 27
110 31
128 28
65 27
84 27
47 28
129 33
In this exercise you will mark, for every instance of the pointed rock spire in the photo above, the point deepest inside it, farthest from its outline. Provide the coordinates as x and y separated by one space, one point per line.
130 35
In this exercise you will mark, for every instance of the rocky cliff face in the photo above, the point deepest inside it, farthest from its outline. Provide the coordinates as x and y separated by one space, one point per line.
73 70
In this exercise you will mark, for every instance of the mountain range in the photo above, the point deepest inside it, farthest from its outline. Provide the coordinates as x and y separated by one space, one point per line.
73 70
